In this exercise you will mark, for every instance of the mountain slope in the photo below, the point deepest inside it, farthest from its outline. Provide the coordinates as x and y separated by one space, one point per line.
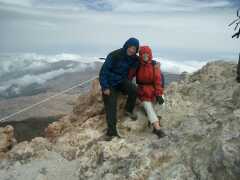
201 118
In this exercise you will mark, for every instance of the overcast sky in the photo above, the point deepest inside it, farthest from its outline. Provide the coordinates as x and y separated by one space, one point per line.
177 29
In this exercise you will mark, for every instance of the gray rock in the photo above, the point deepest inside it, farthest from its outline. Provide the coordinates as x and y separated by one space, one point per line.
201 118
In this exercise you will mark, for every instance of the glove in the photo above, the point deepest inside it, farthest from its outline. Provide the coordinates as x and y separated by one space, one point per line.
160 100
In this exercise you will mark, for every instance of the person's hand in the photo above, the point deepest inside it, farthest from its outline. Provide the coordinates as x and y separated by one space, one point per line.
160 99
106 92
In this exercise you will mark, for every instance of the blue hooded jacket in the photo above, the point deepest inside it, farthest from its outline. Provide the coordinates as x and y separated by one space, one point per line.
117 64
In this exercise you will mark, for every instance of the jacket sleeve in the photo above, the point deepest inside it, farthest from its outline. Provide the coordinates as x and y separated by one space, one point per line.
158 81
105 72
132 70
131 74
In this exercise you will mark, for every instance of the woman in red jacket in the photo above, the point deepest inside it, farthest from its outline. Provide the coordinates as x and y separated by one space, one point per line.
150 87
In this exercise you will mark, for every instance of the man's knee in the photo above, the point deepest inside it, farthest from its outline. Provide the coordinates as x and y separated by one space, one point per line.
111 98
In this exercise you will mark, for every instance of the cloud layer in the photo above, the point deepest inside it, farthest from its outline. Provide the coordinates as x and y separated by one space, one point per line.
125 5
21 70
96 27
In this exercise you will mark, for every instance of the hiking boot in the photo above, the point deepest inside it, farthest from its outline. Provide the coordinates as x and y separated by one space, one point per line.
133 116
159 132
111 137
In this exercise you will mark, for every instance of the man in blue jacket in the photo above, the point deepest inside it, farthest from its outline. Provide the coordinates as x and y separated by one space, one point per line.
113 78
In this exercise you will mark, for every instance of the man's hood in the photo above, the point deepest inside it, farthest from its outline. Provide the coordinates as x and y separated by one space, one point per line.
131 42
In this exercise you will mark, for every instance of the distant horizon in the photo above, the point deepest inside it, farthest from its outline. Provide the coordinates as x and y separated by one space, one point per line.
191 56
175 54
11 61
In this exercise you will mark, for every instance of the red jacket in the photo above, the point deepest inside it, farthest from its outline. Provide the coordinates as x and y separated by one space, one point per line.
148 77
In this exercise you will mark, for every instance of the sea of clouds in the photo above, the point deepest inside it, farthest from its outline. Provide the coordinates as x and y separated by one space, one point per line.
178 67
22 70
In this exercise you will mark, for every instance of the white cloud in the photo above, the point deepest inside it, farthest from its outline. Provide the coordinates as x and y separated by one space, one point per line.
17 2
125 6
40 78
29 79
176 24
177 67
13 63
165 5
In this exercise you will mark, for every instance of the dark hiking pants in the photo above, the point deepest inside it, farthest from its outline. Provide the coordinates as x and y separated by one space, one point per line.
110 103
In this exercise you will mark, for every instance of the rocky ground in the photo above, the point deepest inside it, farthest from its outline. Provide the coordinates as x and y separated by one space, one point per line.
201 118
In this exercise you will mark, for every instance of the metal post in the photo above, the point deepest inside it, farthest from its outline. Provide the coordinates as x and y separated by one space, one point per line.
238 69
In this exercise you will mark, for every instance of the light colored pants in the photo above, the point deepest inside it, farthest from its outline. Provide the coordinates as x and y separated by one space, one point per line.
151 114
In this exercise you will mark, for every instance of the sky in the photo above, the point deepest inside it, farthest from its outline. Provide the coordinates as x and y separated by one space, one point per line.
175 29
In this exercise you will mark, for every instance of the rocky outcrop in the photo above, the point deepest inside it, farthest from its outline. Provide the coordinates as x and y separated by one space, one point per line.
7 140
201 118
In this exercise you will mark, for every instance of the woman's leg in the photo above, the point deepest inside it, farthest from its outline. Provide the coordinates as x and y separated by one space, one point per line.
152 117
